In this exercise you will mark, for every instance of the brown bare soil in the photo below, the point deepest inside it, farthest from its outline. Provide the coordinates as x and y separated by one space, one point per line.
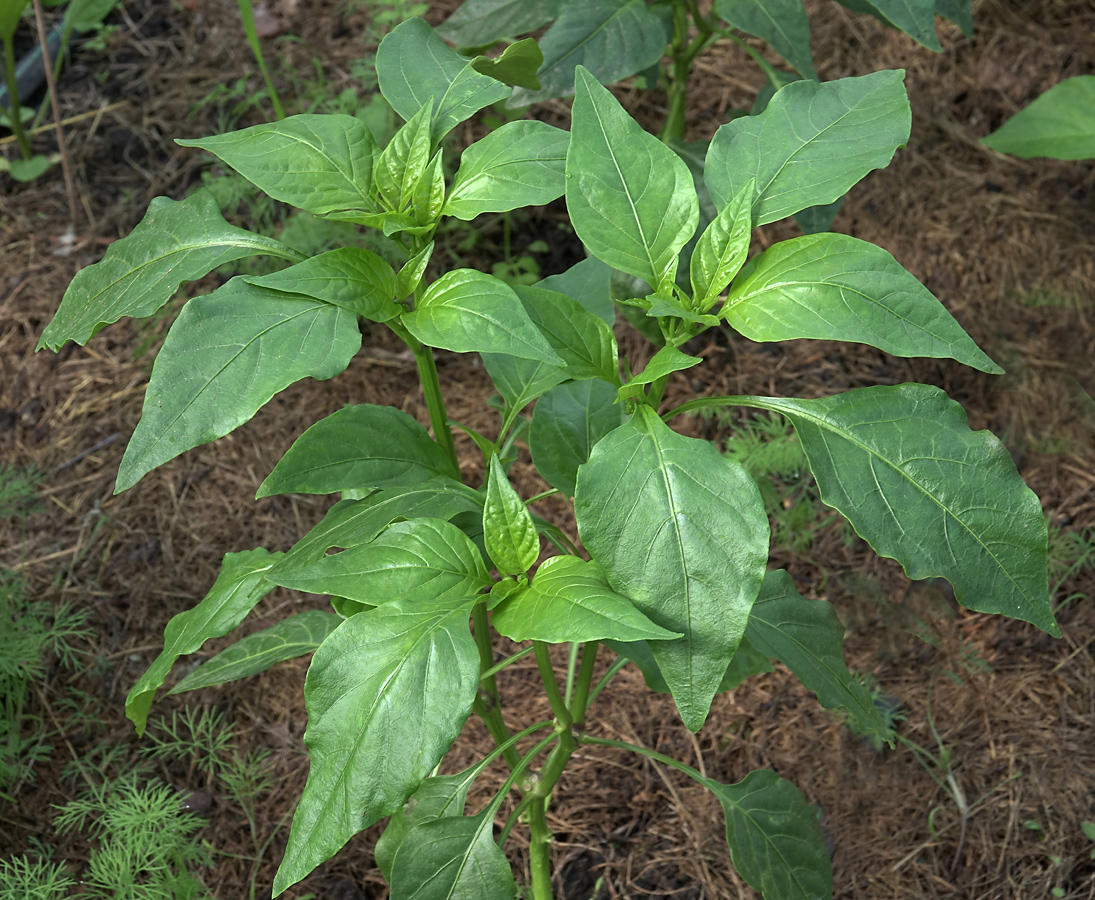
1007 245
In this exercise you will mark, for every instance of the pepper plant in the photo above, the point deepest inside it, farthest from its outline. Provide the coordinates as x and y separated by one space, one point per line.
671 572
614 39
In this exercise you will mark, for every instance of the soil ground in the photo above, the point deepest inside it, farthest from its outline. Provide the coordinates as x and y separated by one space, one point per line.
1007 245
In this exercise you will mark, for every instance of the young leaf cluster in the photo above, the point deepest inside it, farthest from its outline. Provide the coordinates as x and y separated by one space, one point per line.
672 570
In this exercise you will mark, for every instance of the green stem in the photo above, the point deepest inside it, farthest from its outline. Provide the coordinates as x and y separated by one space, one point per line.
431 388
508 661
572 667
486 705
13 97
248 17
613 670
549 493
551 686
585 677
643 751
683 55
540 836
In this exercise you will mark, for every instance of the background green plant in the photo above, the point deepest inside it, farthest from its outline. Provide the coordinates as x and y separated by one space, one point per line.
676 532
1058 124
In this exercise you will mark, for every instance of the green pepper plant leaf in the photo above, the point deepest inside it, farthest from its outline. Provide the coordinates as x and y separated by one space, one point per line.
649 542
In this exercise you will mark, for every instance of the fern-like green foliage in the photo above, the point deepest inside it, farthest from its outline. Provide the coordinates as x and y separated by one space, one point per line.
28 878
31 630
146 849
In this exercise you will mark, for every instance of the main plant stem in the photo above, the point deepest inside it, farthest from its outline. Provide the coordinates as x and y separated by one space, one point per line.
683 53
539 794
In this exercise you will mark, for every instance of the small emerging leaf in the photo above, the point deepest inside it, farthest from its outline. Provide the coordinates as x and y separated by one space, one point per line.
665 362
722 249
508 531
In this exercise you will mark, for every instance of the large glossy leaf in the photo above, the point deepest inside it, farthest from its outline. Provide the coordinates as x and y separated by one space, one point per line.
477 23
811 144
915 17
586 344
901 464
175 242
239 586
288 639
589 282
567 422
570 600
415 67
436 798
682 532
468 311
776 842
387 693
835 287
611 38
419 558
630 197
807 637
225 356
782 23
318 163
1060 124
520 164
509 533
662 364
453 858
361 446
350 277
350 523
